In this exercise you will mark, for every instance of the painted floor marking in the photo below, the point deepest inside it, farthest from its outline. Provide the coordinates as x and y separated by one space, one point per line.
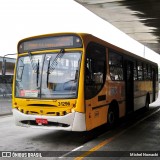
64 156
105 142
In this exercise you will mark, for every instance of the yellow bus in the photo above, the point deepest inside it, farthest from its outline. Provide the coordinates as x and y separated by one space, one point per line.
76 82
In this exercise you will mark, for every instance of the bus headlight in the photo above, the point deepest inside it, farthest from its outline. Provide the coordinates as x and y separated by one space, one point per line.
72 110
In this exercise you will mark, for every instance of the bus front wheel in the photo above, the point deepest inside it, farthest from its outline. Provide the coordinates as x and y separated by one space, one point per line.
112 117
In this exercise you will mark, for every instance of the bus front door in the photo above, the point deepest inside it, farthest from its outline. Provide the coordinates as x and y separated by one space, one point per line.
129 86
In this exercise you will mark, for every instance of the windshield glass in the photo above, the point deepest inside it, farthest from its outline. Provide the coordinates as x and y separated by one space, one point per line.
51 75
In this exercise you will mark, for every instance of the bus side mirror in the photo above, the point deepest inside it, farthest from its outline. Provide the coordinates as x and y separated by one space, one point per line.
4 67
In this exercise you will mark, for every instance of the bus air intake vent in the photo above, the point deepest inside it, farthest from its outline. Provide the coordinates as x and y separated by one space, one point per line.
42 105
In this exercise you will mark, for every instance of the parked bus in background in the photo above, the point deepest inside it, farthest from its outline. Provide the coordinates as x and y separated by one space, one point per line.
76 82
7 79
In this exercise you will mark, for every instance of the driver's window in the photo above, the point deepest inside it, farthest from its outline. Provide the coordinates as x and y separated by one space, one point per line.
95 69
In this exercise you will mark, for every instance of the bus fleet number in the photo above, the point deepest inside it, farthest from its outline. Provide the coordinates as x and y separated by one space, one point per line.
63 103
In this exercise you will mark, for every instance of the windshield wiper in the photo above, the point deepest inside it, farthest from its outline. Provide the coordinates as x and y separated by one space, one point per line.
34 67
32 63
37 72
48 72
53 65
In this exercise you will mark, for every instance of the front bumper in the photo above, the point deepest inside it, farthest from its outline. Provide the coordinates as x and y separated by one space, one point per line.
71 122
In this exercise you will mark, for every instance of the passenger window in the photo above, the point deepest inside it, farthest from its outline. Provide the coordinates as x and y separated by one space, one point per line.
135 71
149 73
95 69
115 66
145 71
140 71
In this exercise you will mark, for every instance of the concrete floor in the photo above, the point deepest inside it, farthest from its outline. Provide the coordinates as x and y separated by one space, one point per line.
5 106
138 132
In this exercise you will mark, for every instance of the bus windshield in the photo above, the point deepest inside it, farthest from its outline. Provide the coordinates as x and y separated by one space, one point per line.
50 75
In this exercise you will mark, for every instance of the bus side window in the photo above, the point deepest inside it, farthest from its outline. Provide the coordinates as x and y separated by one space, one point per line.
95 69
145 71
140 70
135 71
149 73
115 66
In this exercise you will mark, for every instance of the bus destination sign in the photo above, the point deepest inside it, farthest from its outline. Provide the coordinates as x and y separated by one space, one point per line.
50 43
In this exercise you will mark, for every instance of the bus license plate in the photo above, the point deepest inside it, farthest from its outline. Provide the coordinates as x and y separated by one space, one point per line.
41 121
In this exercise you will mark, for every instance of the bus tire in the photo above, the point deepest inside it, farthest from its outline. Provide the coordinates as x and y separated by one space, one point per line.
112 117
147 102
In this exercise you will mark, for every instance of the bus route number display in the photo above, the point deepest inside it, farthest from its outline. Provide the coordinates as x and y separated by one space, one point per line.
50 43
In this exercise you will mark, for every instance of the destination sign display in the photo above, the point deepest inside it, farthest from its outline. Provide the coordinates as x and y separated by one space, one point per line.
50 43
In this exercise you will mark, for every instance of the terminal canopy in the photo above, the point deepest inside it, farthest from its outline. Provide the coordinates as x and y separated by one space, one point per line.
140 19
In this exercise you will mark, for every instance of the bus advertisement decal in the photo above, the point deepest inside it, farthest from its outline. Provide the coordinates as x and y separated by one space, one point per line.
29 93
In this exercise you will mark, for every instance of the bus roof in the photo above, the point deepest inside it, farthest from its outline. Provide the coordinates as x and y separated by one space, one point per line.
87 38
